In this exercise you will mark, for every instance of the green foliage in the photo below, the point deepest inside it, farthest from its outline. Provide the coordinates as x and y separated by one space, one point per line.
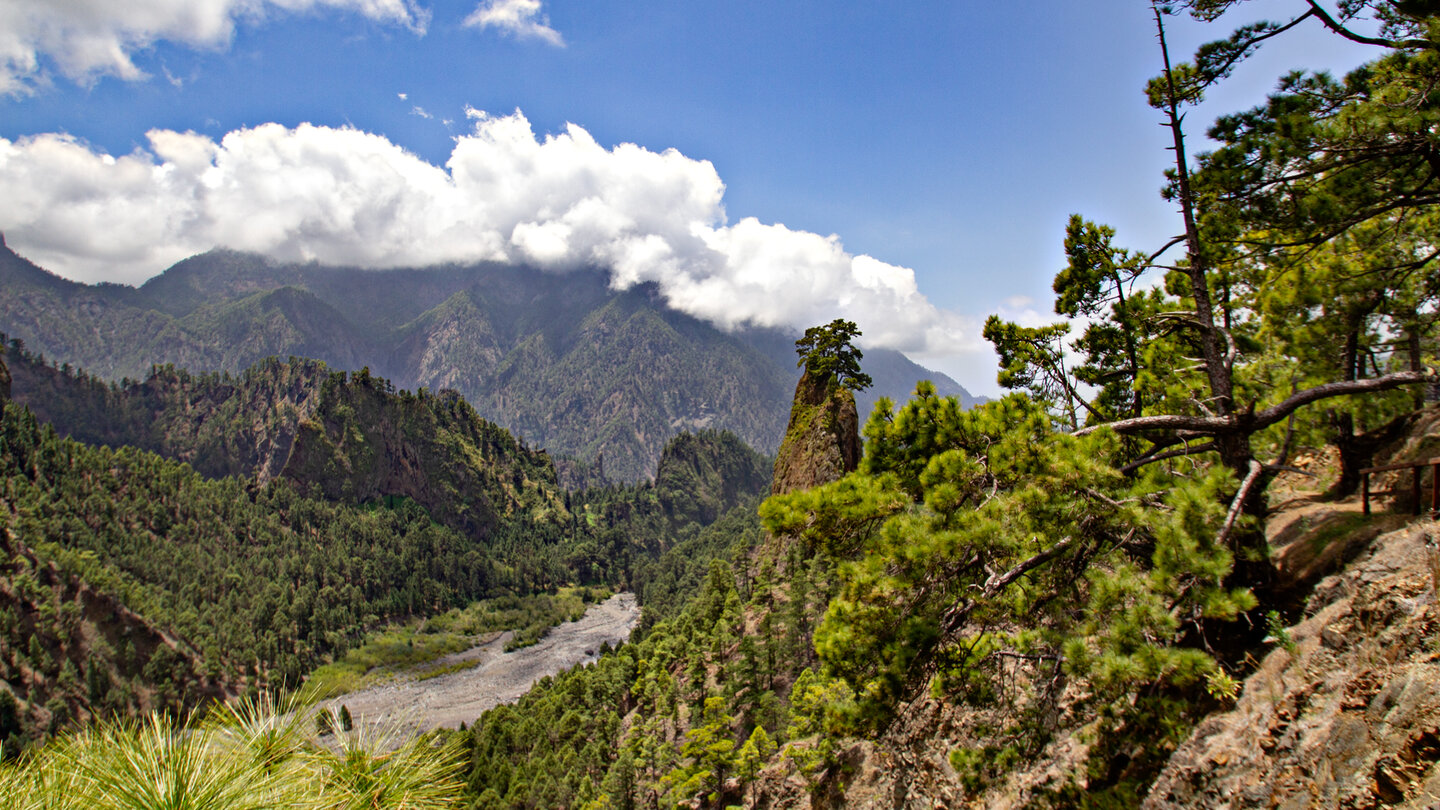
827 353
837 517
1114 570
1306 241
758 748
1278 631
262 583
1032 359
1319 208
1221 685
708 752
975 767
705 474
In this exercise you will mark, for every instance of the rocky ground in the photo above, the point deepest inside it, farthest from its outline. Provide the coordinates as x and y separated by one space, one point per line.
499 677
1345 715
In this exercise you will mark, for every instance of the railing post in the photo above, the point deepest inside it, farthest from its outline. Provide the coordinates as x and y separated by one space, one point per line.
1417 483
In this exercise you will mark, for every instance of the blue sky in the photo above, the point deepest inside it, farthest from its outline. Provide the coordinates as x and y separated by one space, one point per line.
951 139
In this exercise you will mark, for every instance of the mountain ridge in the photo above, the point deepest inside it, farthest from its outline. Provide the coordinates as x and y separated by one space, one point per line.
563 360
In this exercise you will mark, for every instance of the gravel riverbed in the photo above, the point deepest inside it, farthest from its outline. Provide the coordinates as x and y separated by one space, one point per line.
500 677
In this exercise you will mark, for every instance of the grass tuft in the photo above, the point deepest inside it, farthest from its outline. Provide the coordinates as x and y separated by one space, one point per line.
243 757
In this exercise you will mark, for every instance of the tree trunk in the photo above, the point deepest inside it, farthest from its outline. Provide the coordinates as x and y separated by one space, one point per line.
1412 338
1358 451
1252 566
1354 456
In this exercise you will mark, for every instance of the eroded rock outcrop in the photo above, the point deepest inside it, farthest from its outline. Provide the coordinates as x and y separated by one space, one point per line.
822 441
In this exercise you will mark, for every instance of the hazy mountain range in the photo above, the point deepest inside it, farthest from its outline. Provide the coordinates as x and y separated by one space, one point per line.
562 360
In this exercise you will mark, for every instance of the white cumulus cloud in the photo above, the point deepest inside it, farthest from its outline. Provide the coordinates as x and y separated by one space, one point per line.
522 18
560 202
85 39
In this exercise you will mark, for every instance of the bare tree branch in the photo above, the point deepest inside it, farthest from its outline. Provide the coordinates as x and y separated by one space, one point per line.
1331 23
1150 260
994 584
1275 413
1244 422
1237 505
955 616
1184 451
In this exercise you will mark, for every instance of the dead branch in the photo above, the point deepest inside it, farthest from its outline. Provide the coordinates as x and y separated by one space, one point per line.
956 615
1184 451
1237 505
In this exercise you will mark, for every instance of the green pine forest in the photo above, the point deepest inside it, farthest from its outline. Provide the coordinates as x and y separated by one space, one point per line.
1083 558
235 585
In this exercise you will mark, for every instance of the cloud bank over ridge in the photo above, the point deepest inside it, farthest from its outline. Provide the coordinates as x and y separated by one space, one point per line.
346 197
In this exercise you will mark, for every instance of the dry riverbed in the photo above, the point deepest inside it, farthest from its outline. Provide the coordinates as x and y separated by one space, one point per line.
499 677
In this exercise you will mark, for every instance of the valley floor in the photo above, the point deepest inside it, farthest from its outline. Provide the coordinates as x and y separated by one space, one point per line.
498 677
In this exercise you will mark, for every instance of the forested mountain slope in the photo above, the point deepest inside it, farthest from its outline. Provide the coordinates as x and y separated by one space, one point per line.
561 360
339 436
328 503
246 584
655 723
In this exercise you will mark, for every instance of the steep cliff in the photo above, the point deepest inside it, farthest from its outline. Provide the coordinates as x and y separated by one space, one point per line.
822 440
1346 711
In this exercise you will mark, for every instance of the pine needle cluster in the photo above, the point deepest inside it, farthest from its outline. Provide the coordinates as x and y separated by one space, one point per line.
250 756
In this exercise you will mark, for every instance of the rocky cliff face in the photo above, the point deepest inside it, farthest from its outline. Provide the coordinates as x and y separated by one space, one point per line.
822 441
1348 713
